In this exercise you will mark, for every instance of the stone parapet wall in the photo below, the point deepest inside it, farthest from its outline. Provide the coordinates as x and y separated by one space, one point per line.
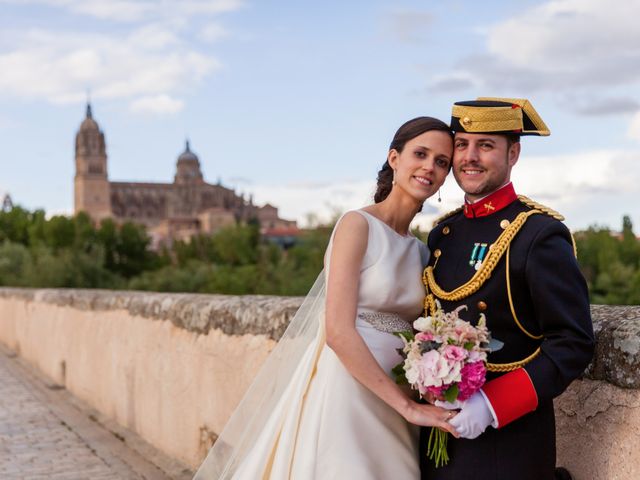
172 367
233 315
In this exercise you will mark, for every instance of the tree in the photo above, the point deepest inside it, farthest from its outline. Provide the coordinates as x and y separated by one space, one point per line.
14 225
629 246
59 232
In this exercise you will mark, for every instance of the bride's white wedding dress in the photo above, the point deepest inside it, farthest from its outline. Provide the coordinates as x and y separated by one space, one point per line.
324 423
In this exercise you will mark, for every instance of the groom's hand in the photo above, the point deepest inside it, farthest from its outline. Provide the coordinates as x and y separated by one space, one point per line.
474 417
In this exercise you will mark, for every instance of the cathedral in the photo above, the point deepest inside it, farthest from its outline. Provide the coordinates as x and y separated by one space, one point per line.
170 211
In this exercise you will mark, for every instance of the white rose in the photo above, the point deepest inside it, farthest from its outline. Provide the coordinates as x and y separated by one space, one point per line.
423 324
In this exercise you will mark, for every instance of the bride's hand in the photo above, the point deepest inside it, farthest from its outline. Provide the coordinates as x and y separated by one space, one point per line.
426 415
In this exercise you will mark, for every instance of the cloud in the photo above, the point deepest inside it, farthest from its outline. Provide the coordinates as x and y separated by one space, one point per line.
451 84
559 45
600 106
296 203
408 26
6 122
576 184
120 10
150 59
158 104
213 32
633 131
59 67
342 195
571 175
129 11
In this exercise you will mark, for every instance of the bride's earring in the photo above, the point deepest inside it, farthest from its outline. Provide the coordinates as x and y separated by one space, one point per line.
439 199
393 182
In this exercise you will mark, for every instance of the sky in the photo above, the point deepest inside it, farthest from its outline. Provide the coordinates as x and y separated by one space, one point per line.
295 102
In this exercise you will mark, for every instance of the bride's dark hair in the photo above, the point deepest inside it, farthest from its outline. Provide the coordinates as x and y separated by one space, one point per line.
406 132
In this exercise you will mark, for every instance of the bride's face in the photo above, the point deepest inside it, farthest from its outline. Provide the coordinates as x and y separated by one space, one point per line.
423 164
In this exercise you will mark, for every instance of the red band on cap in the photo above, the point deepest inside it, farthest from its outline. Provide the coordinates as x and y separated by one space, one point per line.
512 395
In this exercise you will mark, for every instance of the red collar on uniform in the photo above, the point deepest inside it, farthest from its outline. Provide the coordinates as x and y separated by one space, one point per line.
492 203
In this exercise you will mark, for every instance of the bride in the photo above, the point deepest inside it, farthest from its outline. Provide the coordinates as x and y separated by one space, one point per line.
324 405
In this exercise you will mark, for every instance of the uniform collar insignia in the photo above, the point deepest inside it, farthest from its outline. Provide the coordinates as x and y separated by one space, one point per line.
492 203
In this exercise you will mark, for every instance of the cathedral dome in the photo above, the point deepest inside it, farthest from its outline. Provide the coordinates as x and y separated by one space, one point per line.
188 156
188 168
89 123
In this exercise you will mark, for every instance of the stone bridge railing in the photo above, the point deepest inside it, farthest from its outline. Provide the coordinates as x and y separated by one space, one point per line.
172 367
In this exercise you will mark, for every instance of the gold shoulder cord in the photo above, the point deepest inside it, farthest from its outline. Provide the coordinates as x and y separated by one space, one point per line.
538 206
496 251
508 367
446 215
501 245
552 213
513 310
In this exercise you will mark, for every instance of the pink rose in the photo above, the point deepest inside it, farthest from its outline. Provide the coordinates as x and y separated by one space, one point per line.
454 353
424 336
438 392
476 356
435 370
473 377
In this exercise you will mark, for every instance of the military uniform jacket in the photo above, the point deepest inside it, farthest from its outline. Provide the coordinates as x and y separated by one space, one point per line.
535 300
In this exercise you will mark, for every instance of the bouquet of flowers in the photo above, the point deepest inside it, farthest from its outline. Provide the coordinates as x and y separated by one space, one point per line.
446 358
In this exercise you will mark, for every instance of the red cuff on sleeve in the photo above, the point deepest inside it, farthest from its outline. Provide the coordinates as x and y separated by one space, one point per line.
512 395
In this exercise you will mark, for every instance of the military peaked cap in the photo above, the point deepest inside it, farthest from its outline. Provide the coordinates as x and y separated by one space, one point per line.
497 116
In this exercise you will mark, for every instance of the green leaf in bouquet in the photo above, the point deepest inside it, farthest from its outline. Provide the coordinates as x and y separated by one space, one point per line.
469 346
451 394
407 335
398 371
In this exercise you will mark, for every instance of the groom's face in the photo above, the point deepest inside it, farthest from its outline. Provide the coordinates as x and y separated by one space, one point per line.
482 163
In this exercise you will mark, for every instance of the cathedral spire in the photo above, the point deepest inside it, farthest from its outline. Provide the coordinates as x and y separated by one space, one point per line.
188 168
89 114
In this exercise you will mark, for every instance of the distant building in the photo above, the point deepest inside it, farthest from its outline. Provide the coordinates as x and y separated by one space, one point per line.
170 211
7 204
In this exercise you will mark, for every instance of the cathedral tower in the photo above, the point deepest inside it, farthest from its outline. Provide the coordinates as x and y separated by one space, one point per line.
92 190
188 168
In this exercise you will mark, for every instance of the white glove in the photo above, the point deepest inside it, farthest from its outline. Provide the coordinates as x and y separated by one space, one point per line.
474 417
455 405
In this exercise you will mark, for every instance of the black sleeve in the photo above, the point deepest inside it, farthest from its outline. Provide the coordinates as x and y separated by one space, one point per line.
561 309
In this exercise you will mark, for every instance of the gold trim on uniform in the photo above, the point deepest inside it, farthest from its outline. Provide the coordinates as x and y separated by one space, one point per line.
501 246
488 264
538 206
541 127
494 119
511 306
510 367
447 215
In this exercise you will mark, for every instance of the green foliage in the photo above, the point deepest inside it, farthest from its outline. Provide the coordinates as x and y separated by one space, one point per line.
611 264
14 225
14 261
74 252
70 251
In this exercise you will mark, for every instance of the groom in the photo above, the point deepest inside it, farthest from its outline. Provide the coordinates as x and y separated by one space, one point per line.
512 259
